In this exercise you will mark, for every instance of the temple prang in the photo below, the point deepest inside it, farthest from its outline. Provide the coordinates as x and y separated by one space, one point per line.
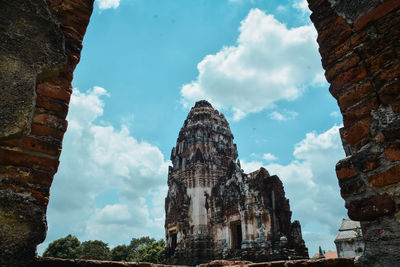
216 211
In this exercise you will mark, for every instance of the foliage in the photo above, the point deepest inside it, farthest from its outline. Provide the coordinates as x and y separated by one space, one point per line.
66 248
94 250
153 252
120 253
358 231
140 242
144 249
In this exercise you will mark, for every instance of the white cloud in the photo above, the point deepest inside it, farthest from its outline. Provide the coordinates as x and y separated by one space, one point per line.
269 157
270 63
97 158
311 185
334 114
250 166
302 5
281 8
106 4
283 116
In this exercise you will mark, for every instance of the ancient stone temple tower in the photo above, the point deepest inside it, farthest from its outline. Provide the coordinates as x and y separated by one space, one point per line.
216 211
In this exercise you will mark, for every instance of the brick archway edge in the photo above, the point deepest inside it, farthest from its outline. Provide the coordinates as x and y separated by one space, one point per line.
360 48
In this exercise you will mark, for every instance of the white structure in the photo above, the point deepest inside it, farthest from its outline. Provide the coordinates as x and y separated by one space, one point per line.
349 241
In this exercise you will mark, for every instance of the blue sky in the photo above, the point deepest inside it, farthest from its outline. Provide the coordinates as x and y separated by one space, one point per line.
145 63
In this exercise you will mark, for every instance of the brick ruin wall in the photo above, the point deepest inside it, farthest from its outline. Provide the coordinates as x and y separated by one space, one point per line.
51 262
41 44
360 48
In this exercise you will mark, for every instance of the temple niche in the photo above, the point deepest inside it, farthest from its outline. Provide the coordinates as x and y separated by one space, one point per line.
216 211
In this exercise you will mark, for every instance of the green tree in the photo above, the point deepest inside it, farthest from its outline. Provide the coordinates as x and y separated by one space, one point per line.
141 242
120 253
94 250
147 250
66 248
153 253
137 243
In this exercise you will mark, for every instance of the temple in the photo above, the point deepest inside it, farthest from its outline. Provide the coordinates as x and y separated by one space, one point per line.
216 211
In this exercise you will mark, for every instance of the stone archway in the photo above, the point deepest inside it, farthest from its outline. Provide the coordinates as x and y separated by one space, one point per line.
360 48
359 45
41 45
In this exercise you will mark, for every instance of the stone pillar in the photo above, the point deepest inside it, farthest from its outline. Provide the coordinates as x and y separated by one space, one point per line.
360 48
41 41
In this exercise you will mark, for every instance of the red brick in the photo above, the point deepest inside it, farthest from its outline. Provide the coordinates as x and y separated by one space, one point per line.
351 187
50 146
88 4
376 13
53 91
355 94
341 66
345 172
41 197
313 4
337 32
50 121
60 108
387 177
376 63
359 111
387 75
27 175
330 56
371 208
322 21
346 79
357 132
323 16
369 164
17 158
389 93
69 20
41 130
379 44
384 24
61 82
392 153
67 73
71 33
9 142
74 11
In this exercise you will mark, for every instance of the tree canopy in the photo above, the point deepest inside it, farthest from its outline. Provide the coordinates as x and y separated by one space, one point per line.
143 249
66 248
94 250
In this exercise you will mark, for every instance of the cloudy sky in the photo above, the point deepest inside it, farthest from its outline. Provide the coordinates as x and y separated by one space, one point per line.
145 63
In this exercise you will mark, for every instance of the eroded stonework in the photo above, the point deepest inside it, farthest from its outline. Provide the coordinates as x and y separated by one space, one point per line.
360 52
41 42
216 211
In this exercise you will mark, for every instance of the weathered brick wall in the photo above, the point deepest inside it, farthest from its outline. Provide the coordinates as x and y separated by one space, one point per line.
41 44
53 262
360 48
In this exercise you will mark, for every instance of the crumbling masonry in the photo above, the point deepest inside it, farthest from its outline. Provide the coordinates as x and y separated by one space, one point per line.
360 48
41 43
216 211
